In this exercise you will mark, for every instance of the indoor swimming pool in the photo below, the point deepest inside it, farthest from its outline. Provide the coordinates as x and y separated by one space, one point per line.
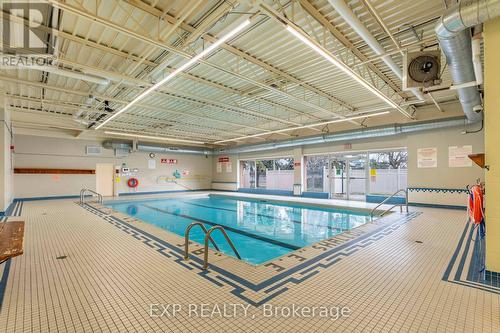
261 230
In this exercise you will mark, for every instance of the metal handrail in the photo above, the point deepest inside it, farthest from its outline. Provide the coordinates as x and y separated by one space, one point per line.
405 191
207 237
186 238
82 195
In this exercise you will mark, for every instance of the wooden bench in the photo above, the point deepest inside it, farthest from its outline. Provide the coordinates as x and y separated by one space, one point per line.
11 239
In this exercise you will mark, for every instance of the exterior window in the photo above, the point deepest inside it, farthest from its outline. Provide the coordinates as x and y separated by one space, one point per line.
263 166
354 175
388 171
247 174
270 174
316 169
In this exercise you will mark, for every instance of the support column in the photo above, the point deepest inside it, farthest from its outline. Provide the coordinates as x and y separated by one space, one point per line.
297 173
492 141
6 162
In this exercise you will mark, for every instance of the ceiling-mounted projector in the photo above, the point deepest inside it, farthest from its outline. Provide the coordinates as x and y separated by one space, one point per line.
421 69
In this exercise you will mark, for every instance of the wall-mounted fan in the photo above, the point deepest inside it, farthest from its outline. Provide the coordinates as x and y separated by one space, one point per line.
421 69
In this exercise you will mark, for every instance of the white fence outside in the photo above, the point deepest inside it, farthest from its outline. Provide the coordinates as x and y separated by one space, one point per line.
271 180
388 181
385 181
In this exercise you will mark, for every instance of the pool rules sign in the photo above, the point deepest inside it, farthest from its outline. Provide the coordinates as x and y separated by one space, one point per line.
427 157
458 156
224 160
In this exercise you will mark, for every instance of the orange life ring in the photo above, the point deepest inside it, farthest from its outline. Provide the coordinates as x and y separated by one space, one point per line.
476 204
133 182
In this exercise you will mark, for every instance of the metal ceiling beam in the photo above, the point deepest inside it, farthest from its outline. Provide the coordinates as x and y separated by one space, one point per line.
162 45
171 123
281 19
286 108
321 19
119 125
139 84
236 51
187 75
123 102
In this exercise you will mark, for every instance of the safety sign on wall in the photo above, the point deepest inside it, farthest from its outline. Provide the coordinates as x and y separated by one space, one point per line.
427 157
458 156
223 159
151 164
169 160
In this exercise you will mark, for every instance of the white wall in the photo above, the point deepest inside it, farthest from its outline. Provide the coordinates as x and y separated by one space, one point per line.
6 179
46 152
441 177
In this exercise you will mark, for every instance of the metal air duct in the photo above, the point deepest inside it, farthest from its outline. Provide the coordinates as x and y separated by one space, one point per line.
454 35
364 133
352 20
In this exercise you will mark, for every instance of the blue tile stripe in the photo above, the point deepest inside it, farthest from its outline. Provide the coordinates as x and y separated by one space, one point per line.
418 204
334 251
15 209
475 277
3 281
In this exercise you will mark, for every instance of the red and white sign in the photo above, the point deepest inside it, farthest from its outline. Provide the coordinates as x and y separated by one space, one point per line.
224 159
168 160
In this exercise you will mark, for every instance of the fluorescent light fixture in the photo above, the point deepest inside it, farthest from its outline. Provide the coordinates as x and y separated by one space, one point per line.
305 126
182 68
153 137
343 67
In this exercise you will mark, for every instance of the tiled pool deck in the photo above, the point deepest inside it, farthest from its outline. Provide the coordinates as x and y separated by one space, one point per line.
404 273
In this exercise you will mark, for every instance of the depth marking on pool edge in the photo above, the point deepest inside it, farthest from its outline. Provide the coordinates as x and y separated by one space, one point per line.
257 294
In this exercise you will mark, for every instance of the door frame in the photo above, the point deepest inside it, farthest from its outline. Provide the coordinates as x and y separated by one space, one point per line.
347 160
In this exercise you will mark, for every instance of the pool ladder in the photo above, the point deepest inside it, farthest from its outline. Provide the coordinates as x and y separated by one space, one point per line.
82 195
404 191
208 237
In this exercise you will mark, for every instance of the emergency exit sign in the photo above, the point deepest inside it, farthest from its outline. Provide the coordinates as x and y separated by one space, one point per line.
223 159
169 160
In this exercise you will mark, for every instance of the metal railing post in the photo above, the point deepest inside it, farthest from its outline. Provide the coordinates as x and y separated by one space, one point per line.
405 191
186 238
207 237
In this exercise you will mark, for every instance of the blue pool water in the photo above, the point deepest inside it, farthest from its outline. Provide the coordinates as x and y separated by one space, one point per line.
260 230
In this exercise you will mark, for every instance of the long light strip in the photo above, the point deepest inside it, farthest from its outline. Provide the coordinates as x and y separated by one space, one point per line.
305 126
180 69
343 67
153 137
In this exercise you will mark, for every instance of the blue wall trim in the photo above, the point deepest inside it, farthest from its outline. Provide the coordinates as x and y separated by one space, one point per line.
417 204
160 192
59 197
265 191
56 197
315 195
379 198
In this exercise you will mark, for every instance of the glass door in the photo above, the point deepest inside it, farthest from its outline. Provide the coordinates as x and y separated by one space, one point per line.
348 177
357 178
338 178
